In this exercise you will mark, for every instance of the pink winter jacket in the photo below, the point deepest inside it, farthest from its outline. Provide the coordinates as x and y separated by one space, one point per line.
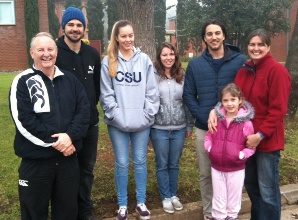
225 144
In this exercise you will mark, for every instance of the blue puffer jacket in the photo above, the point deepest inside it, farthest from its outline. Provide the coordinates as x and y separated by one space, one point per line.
202 84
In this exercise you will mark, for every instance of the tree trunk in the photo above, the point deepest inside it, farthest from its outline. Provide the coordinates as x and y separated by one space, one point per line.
140 13
292 66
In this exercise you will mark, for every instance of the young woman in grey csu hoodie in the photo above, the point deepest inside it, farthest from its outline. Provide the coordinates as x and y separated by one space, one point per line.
173 123
129 98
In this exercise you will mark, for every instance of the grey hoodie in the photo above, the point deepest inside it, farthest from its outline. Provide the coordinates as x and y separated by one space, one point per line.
172 114
130 100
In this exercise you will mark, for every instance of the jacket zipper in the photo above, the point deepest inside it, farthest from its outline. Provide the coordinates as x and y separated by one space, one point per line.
253 82
169 86
57 106
224 147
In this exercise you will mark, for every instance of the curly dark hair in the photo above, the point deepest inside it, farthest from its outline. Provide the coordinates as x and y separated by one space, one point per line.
215 22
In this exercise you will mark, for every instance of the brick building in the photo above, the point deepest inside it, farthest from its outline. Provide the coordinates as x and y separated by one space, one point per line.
13 38
13 54
279 44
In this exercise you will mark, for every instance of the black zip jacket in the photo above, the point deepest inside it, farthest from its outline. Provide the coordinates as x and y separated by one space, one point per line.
41 107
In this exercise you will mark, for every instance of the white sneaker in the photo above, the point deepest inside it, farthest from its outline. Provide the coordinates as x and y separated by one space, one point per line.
176 203
167 205
143 212
122 213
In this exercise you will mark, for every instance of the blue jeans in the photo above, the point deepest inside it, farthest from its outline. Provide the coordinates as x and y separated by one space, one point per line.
262 186
168 147
120 142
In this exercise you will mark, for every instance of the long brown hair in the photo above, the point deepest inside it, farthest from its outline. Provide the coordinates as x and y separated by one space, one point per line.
176 70
113 47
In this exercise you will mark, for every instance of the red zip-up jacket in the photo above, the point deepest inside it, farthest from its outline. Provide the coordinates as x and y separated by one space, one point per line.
266 85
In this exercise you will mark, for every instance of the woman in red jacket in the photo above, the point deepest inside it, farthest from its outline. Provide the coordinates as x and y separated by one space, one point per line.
265 83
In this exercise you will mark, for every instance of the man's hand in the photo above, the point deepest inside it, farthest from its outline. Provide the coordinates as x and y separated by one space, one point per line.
63 141
69 150
212 121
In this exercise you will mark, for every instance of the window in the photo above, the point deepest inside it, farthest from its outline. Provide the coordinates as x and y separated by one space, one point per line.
7 14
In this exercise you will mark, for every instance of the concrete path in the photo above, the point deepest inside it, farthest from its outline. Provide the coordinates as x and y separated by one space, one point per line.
193 211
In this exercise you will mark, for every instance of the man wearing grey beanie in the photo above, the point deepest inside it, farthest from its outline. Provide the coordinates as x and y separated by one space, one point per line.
84 62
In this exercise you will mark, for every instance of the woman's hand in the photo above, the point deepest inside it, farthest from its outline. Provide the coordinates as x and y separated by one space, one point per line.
188 134
212 121
253 140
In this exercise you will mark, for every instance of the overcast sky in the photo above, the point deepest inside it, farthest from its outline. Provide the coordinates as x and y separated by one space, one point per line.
172 11
171 2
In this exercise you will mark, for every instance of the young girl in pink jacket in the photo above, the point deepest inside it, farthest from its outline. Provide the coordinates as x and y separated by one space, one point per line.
228 153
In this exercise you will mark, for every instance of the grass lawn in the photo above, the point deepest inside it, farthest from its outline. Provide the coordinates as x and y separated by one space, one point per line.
184 65
8 161
103 193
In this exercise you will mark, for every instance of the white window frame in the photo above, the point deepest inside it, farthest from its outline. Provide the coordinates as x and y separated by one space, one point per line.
10 12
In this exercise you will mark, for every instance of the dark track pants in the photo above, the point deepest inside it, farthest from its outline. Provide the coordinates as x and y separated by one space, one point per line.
87 159
45 180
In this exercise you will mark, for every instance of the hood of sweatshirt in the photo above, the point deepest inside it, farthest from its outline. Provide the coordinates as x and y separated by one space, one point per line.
62 45
245 112
134 57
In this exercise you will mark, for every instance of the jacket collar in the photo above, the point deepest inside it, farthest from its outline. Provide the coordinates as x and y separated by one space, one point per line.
260 63
229 50
64 46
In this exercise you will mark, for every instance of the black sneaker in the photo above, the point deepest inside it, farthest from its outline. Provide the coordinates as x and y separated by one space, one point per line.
142 210
208 218
230 218
122 213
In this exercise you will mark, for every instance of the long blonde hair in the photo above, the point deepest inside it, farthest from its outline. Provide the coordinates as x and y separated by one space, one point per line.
113 47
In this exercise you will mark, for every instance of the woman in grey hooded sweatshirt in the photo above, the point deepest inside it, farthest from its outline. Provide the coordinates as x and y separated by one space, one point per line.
173 123
129 98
